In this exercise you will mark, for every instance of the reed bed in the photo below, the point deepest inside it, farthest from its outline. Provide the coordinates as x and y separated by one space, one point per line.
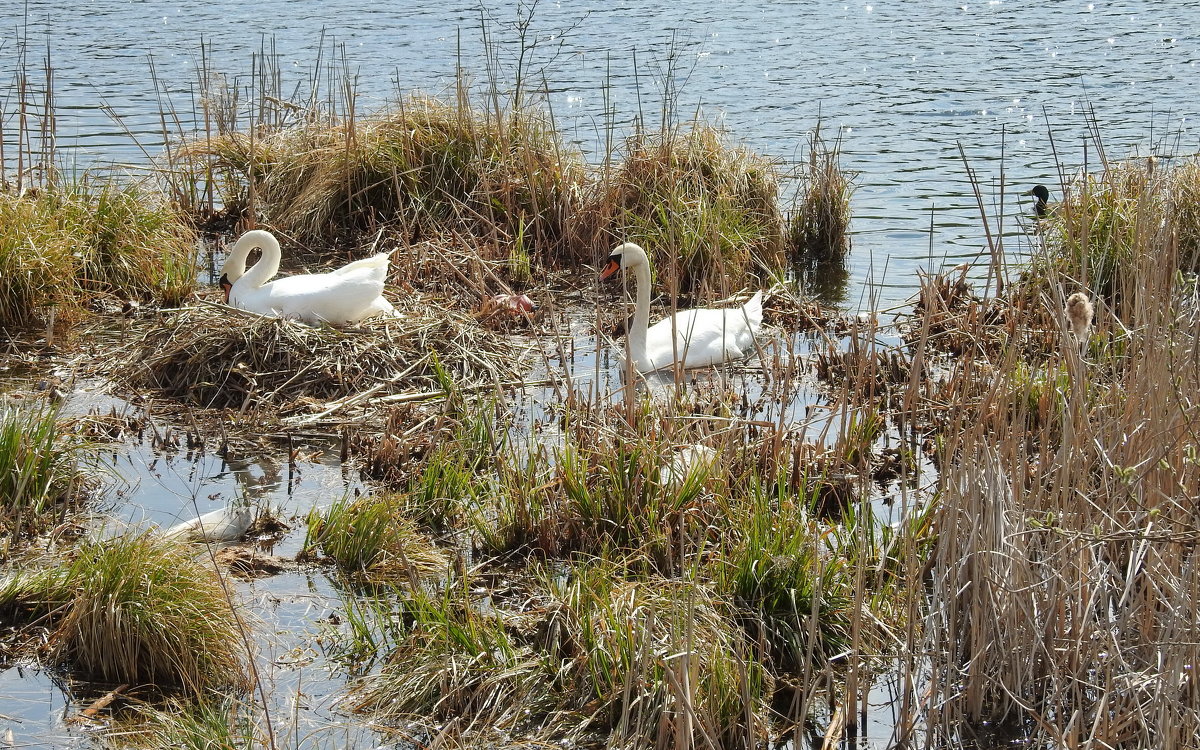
67 244
218 357
1061 601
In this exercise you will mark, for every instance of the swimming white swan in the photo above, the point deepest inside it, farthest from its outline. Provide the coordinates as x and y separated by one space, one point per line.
348 294
691 338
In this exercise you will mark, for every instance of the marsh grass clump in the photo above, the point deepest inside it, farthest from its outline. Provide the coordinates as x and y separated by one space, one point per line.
42 471
606 490
793 589
1098 233
430 165
223 358
819 221
145 610
655 657
576 656
67 243
457 659
368 535
1185 212
133 610
706 210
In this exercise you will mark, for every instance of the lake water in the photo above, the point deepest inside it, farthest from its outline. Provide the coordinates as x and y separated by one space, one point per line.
905 84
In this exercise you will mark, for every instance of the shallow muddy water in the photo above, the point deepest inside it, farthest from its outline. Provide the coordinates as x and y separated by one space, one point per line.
904 82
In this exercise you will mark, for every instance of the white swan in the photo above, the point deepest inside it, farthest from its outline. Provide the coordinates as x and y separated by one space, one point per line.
691 338
228 524
348 294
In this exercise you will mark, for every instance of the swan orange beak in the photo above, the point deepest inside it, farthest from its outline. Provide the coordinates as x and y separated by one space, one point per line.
226 286
610 269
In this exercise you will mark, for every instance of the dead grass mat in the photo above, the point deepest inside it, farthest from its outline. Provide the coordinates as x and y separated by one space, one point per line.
215 357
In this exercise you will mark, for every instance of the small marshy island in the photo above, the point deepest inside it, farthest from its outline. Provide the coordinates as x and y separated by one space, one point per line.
521 439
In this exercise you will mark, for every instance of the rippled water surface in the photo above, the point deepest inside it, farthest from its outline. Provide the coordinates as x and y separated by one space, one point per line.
906 83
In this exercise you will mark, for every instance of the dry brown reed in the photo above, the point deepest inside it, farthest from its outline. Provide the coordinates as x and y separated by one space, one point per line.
1063 589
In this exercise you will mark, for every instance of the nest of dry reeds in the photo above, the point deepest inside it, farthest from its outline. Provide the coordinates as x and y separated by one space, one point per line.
217 357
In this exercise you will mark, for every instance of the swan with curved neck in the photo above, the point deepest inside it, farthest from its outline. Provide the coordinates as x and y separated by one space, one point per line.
348 294
690 338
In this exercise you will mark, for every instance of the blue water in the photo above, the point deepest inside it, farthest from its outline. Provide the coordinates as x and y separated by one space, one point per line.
903 83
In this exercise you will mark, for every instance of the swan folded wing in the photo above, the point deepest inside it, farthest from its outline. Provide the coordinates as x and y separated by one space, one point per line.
376 265
330 297
701 337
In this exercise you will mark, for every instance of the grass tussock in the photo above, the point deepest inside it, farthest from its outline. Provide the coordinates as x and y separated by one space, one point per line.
221 358
657 658
430 165
42 472
581 655
146 611
458 659
795 596
133 610
707 211
819 222
66 244
369 535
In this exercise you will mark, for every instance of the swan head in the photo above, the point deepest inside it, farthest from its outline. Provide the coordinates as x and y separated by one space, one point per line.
623 257
234 267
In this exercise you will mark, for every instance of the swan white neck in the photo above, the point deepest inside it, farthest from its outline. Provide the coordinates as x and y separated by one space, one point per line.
262 271
641 314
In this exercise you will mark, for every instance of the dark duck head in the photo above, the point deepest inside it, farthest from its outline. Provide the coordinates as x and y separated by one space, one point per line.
1041 200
